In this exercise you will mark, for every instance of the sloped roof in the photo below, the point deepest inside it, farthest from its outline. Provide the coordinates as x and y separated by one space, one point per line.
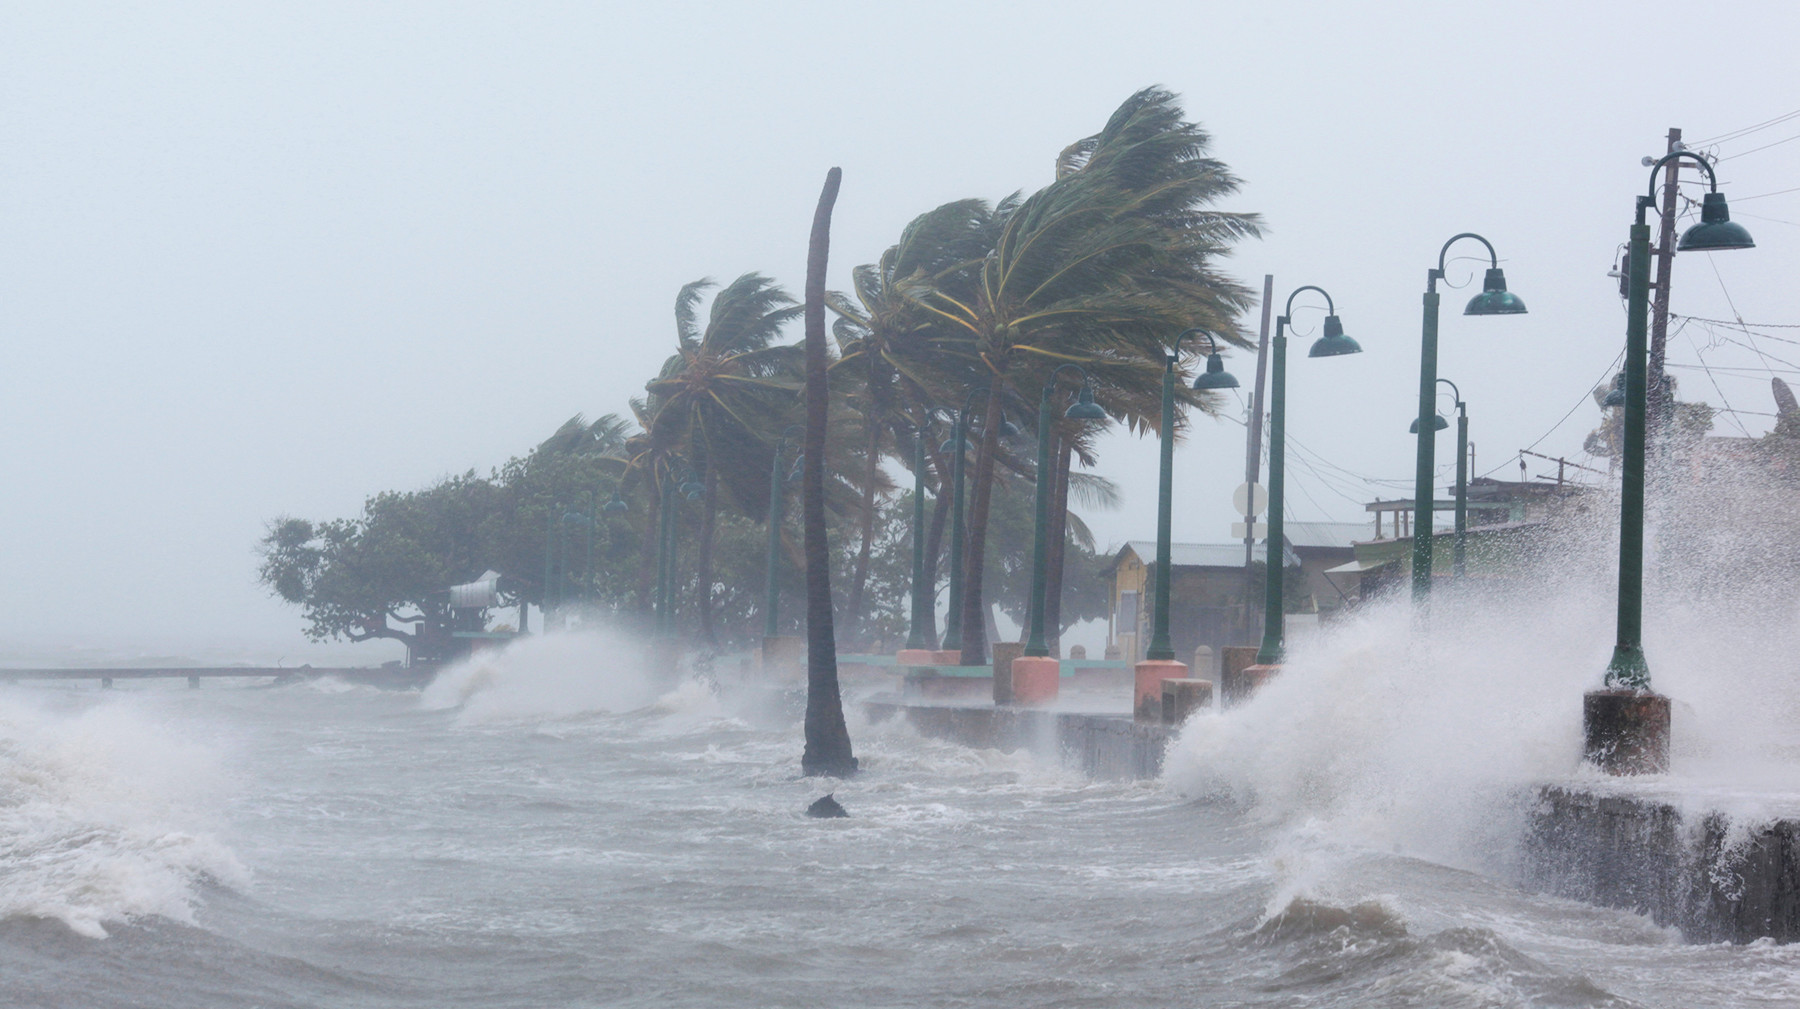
1325 535
1196 555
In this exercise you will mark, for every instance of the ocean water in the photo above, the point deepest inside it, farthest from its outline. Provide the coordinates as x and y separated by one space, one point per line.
546 827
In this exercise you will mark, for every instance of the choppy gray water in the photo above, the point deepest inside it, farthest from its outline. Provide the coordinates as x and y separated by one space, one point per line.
560 839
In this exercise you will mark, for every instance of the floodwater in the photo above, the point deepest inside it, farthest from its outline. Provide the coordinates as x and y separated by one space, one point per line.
546 829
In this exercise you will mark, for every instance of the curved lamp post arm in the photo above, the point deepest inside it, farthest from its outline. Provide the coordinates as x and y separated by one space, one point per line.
1454 390
1433 276
1705 166
1288 312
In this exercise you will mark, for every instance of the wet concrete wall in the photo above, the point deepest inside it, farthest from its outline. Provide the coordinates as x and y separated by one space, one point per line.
1100 746
1712 878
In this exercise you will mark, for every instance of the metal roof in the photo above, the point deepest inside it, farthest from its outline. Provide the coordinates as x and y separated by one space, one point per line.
1325 535
1196 555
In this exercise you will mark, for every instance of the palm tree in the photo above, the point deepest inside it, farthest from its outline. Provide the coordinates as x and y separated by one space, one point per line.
1101 268
827 738
897 353
718 395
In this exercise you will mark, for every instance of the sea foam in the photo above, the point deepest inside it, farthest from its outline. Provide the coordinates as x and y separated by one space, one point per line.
103 817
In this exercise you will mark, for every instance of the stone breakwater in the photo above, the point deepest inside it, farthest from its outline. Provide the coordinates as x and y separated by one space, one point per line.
1714 877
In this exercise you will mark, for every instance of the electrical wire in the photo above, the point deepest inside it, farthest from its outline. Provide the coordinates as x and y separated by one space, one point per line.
1746 131
1764 147
1758 196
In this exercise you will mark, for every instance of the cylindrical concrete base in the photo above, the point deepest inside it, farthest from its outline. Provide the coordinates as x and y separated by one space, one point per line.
1181 698
1035 680
1237 687
1626 731
1146 700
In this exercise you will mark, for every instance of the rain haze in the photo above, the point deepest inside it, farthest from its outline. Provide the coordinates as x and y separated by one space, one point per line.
270 260
300 301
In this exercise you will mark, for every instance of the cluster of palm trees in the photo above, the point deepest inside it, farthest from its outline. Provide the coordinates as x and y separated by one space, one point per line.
965 317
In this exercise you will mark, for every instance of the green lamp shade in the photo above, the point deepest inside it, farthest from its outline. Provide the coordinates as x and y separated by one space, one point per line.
949 445
1008 429
1494 298
1084 407
615 506
1438 423
1716 229
1334 342
1215 376
1616 395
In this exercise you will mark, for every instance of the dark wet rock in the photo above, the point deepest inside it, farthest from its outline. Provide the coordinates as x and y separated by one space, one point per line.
826 808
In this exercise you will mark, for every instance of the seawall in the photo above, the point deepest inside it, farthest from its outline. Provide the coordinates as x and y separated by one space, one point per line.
1103 746
1714 877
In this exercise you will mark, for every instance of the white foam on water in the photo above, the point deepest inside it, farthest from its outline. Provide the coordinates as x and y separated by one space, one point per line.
546 676
103 817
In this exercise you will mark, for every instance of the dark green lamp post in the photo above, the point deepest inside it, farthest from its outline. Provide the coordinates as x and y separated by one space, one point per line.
1333 344
772 587
1438 423
1214 377
1625 725
1494 299
1715 232
958 447
1084 408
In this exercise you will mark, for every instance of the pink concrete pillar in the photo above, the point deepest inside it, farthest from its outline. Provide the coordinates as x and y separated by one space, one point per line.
1035 680
1146 701
915 657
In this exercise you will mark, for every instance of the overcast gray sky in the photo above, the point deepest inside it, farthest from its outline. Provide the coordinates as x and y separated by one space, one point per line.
259 259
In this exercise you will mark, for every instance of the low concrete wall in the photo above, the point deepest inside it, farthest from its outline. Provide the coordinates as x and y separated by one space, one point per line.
1713 879
1100 746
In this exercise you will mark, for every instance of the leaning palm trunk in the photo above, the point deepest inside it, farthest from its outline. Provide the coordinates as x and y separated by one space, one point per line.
934 543
974 613
1062 454
703 591
827 738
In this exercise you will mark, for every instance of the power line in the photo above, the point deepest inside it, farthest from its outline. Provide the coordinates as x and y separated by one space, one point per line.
1739 322
1585 397
1758 196
1764 147
1746 131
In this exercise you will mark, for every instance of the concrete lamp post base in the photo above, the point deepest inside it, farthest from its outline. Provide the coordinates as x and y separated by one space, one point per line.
1626 731
1035 680
1239 688
1147 695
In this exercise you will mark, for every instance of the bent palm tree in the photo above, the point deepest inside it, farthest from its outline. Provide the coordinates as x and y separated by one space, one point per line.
724 389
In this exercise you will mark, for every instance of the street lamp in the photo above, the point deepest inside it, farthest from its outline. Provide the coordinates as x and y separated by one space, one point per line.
1084 408
1438 423
1333 344
1494 299
1214 377
1626 725
772 588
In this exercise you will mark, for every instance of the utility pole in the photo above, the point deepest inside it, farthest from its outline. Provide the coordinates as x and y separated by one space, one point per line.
1660 401
1253 451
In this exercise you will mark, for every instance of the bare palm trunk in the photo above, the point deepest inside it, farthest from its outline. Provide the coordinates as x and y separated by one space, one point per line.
974 622
1062 454
859 577
703 592
827 737
647 558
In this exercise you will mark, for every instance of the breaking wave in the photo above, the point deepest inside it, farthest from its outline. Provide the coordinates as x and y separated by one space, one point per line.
101 818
